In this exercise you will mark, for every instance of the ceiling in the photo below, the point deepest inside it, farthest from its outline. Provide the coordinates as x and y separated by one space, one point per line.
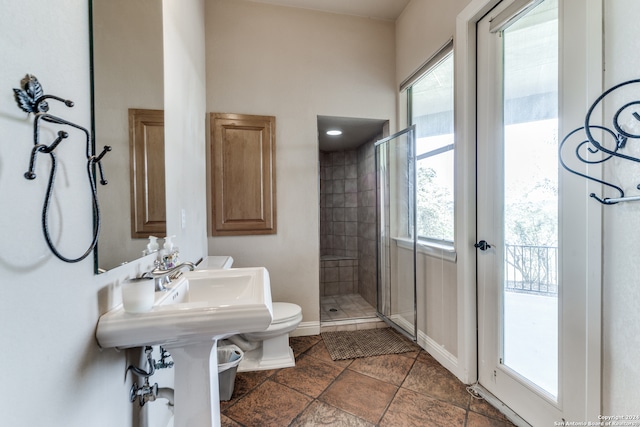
355 132
378 9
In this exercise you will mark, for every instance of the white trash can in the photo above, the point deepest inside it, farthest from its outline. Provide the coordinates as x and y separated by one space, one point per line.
229 357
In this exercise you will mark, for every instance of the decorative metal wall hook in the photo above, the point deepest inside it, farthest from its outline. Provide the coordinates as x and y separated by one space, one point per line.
591 150
32 99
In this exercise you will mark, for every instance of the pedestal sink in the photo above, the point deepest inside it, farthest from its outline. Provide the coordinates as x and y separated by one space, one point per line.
188 320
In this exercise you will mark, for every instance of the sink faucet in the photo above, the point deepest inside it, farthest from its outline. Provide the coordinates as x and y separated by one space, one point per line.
164 277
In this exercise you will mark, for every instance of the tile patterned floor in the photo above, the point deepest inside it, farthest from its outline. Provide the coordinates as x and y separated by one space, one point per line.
410 389
341 307
347 313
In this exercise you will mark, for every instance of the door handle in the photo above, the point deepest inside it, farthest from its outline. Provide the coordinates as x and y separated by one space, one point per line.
482 245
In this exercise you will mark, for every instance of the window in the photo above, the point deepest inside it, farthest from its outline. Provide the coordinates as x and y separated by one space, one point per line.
431 110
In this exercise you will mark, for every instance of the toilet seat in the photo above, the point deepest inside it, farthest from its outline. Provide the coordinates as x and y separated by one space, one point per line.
286 318
284 312
269 349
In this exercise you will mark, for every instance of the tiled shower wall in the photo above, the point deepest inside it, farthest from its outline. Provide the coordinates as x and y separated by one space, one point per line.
339 204
338 276
338 223
367 222
347 222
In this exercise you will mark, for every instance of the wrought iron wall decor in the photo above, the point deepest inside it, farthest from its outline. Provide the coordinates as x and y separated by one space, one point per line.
612 139
32 99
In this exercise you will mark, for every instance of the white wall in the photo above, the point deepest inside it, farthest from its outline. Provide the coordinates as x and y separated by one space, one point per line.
53 373
621 286
295 65
423 27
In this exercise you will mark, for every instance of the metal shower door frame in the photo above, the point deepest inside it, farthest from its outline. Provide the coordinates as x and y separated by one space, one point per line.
381 296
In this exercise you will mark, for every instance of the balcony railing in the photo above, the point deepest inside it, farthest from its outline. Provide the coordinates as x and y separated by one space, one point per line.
531 269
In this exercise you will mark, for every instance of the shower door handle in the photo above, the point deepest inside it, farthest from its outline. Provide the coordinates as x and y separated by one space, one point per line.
482 245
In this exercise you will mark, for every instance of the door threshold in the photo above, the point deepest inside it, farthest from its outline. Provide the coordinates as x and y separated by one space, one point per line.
351 324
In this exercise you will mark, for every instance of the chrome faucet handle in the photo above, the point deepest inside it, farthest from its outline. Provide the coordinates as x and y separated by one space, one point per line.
160 277
163 277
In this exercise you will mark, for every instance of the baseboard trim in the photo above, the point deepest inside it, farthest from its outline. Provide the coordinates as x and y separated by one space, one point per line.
438 352
306 328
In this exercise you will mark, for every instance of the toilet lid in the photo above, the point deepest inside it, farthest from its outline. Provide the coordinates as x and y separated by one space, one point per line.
284 311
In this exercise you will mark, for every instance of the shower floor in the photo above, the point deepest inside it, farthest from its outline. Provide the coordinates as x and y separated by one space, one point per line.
347 312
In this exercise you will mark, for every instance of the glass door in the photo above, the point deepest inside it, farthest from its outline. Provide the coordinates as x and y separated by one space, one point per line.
396 223
518 286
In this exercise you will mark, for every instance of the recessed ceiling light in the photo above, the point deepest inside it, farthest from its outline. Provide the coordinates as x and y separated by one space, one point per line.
334 132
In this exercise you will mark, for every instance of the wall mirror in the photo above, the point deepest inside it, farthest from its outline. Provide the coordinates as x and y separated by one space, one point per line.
127 74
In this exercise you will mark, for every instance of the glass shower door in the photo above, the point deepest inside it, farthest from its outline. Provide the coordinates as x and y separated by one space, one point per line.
396 228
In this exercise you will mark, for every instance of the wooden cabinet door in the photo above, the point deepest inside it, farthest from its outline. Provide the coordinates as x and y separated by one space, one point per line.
146 144
242 171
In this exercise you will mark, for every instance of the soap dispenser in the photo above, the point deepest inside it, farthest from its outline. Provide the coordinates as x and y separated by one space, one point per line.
169 254
168 244
152 246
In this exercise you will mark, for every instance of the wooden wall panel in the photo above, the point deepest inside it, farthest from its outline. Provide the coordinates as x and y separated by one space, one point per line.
148 200
242 173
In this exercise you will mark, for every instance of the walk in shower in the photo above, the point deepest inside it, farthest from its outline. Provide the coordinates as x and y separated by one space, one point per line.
348 223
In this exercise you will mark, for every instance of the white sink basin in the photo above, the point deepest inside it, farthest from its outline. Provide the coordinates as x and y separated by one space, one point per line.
201 305
188 319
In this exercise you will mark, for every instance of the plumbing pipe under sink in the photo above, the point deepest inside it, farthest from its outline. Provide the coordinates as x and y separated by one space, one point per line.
163 418
160 412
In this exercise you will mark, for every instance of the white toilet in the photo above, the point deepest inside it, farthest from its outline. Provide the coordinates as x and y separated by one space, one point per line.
269 349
